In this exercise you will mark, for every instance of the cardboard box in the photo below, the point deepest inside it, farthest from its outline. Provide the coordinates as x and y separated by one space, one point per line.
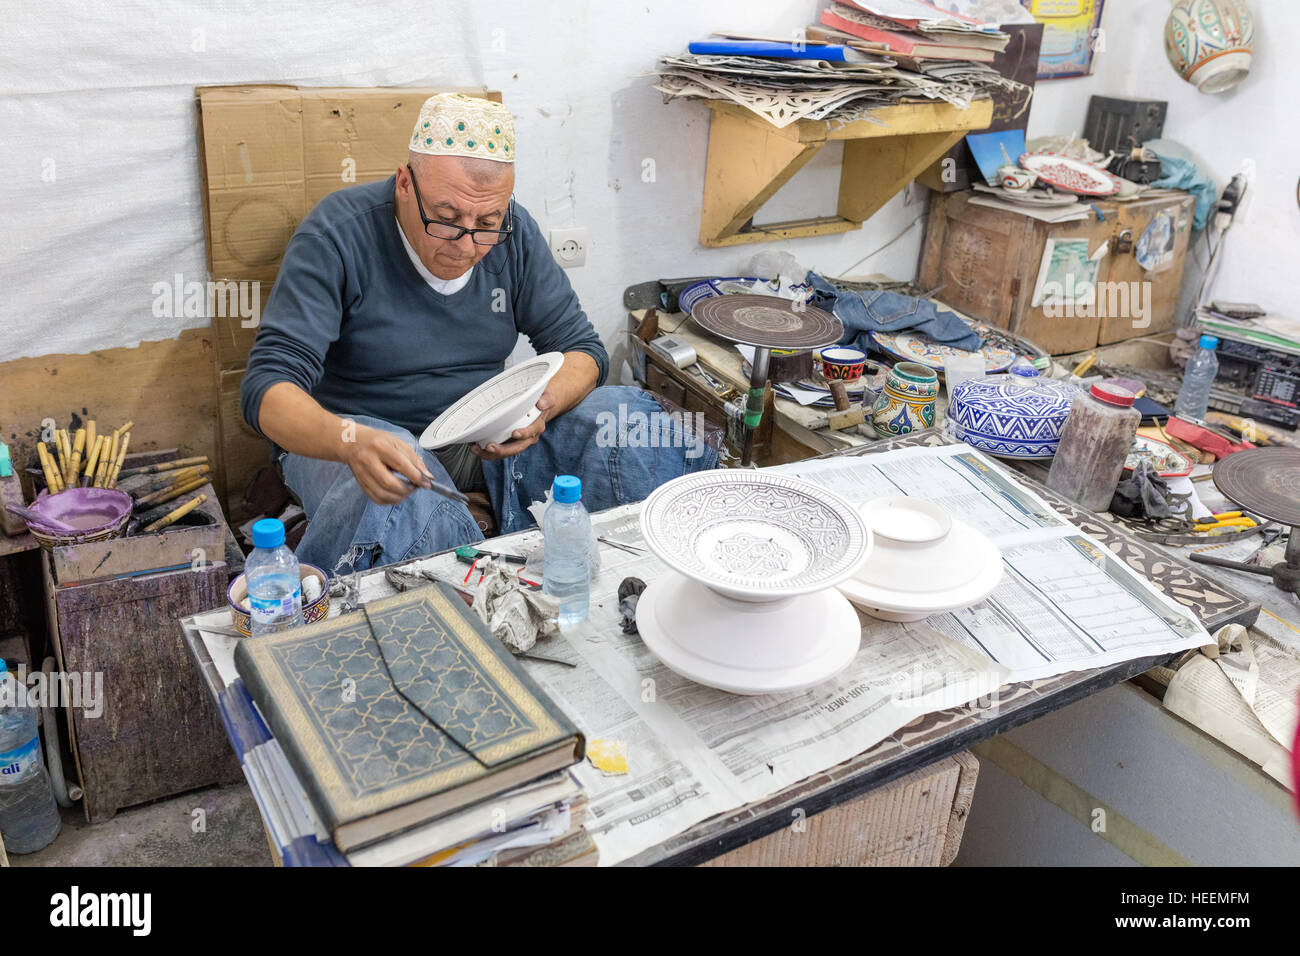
269 154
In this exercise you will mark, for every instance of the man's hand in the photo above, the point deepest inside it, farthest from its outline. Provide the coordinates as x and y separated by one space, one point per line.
520 438
374 456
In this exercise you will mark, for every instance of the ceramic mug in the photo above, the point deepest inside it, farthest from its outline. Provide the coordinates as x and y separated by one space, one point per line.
842 364
906 404
1016 180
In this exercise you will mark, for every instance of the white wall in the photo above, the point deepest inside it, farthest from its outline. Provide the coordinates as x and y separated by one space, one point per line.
110 100
580 84
1255 121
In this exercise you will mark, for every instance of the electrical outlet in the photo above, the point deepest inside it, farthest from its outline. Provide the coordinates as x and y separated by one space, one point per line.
569 246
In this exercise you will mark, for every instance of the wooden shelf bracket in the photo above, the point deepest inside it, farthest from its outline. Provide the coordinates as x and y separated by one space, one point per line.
750 159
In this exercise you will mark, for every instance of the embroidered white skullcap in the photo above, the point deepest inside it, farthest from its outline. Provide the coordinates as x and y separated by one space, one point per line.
453 124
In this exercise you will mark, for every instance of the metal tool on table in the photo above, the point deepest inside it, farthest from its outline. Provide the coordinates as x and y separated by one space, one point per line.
1226 521
469 554
621 545
765 322
1266 482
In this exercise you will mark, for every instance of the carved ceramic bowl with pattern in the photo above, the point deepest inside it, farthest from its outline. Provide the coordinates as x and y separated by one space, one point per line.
755 536
492 412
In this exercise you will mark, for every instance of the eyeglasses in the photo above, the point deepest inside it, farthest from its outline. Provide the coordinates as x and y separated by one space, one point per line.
437 229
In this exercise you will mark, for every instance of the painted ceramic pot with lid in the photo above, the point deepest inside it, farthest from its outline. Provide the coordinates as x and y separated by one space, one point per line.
906 403
1009 415
1211 43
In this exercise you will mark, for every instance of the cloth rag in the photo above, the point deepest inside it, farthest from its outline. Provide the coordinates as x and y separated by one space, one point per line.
866 311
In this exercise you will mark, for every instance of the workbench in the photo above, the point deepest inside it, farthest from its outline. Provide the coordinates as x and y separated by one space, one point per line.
923 745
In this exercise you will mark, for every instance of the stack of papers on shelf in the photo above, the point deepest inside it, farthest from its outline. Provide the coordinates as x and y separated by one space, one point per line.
915 29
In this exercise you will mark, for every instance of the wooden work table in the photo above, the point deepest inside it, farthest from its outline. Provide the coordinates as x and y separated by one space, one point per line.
934 738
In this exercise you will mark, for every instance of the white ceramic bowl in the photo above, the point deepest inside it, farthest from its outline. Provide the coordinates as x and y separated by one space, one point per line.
923 562
753 535
493 411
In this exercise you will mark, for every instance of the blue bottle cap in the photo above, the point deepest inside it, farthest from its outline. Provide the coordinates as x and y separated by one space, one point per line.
268 533
1209 342
4 666
567 489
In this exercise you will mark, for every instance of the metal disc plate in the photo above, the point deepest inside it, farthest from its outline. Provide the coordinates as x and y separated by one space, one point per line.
767 321
1265 481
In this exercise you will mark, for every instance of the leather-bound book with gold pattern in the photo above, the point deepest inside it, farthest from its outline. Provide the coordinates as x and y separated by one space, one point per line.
402 712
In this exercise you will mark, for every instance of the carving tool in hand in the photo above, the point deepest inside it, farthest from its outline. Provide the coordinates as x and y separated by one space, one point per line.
447 491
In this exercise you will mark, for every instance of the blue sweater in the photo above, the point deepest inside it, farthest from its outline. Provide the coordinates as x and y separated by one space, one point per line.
352 323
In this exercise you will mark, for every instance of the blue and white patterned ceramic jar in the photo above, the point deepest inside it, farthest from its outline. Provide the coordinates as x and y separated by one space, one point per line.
1010 416
906 404
1211 43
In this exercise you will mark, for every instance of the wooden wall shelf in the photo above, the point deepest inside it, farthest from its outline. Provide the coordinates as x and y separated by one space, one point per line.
750 159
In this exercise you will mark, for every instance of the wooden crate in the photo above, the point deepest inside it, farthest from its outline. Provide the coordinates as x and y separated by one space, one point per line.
917 820
112 608
985 262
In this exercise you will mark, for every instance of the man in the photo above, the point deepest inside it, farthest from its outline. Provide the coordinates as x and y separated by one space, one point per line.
397 298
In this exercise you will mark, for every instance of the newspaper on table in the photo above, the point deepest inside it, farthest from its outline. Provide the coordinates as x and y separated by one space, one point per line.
1247 698
1065 604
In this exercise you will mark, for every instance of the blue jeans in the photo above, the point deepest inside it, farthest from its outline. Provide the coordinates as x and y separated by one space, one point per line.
348 531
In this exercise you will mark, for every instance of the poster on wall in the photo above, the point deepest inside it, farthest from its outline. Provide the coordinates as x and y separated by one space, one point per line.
1071 36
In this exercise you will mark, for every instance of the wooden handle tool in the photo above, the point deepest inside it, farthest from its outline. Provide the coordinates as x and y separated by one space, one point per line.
172 516
111 480
92 460
61 454
74 463
52 481
162 466
170 494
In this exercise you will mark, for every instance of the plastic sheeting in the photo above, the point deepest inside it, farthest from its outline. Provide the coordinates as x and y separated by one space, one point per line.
100 198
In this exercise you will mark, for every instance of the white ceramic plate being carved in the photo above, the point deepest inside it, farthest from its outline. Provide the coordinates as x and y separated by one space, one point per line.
753 535
745 647
491 412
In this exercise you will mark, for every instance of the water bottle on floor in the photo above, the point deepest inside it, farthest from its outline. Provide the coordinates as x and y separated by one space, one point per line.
566 574
274 585
29 817
1194 397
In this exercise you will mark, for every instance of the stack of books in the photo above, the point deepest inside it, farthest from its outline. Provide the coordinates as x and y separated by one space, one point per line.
908 29
405 734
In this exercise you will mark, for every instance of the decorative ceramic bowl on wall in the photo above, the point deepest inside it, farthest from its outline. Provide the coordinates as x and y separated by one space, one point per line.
1211 43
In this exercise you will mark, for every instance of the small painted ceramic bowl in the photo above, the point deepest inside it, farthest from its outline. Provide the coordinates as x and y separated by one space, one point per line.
840 364
317 610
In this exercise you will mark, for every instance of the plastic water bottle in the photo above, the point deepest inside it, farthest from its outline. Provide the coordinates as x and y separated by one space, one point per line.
1194 397
274 586
566 575
29 817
